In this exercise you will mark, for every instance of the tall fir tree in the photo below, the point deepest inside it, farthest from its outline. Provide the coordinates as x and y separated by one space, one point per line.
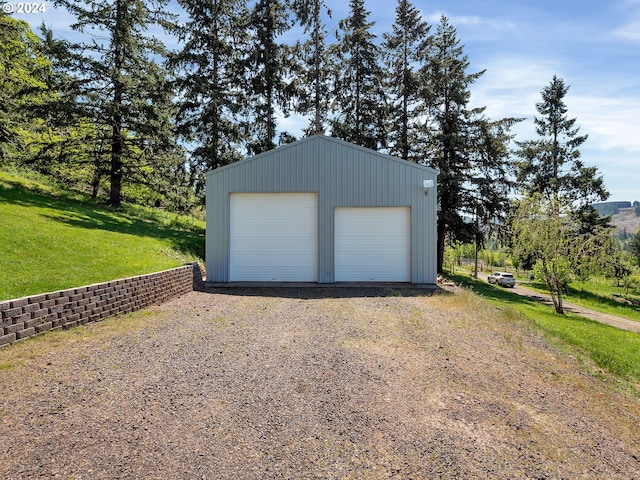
552 165
404 50
490 182
268 66
73 151
359 100
312 72
125 89
209 77
448 135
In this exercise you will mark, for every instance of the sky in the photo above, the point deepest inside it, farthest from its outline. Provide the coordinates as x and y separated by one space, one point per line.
593 45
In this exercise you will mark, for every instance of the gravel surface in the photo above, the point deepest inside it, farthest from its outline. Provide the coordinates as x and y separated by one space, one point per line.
312 383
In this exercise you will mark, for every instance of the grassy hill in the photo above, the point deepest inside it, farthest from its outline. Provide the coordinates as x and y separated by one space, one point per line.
52 239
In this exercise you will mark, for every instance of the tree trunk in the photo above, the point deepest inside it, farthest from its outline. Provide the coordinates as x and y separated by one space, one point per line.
559 307
115 195
317 72
115 192
440 248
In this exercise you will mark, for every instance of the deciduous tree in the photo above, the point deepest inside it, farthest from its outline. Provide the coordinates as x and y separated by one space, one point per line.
23 73
543 228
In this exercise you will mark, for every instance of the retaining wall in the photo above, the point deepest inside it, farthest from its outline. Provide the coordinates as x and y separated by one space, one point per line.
24 317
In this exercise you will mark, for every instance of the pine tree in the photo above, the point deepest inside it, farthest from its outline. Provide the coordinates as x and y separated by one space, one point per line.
123 85
404 49
268 64
312 86
490 181
358 92
449 138
552 166
209 79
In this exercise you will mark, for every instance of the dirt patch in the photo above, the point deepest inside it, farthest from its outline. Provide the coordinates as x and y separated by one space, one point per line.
315 383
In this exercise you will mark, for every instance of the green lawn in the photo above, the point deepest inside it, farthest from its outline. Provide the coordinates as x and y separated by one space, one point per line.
49 242
614 350
597 294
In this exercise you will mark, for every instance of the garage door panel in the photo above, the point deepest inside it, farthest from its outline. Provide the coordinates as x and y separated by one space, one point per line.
373 244
274 237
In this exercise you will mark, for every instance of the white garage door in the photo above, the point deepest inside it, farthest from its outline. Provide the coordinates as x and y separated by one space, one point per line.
373 244
274 237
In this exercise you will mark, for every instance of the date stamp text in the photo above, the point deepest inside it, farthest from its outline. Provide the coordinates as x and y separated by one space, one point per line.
24 7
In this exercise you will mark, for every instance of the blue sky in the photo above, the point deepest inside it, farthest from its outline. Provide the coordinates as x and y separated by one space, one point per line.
593 45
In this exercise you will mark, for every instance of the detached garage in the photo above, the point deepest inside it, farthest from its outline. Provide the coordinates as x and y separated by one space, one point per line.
324 211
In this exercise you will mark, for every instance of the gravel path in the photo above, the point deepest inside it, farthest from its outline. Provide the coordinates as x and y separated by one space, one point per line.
311 383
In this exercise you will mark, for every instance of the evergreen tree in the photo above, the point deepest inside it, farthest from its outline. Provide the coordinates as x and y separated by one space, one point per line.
449 143
491 180
312 86
358 89
552 166
268 67
209 80
404 49
124 90
72 148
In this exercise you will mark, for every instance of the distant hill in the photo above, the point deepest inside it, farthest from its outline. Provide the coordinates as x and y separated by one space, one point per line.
626 220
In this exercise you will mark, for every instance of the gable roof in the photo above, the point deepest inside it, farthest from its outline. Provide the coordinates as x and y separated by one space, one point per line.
324 138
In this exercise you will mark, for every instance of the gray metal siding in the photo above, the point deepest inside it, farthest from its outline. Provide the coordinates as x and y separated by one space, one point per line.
343 175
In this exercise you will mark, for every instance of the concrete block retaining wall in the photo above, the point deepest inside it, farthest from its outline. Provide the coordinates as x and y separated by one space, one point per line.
24 317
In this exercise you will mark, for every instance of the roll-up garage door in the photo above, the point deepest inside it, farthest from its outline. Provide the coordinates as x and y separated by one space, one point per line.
373 244
274 237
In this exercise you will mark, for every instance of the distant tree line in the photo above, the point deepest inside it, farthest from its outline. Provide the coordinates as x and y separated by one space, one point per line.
610 208
118 112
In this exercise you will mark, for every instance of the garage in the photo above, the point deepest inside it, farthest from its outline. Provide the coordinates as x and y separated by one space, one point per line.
274 237
321 210
373 244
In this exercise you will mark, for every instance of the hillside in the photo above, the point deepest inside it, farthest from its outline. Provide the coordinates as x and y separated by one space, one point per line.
52 239
626 219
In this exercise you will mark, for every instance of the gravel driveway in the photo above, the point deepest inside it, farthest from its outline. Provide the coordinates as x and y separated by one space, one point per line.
311 383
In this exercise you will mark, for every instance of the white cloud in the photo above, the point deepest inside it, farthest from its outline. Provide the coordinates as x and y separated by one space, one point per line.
511 85
630 30
611 122
472 22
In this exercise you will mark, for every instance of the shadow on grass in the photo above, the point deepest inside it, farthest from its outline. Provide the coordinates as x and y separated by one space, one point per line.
88 215
491 291
595 298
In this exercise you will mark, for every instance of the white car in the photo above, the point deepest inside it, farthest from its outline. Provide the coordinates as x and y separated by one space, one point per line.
503 279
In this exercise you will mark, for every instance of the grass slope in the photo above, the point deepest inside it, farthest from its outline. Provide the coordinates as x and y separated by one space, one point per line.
614 350
51 242
598 294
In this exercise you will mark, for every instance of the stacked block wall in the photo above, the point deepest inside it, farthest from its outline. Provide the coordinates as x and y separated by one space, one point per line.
24 317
